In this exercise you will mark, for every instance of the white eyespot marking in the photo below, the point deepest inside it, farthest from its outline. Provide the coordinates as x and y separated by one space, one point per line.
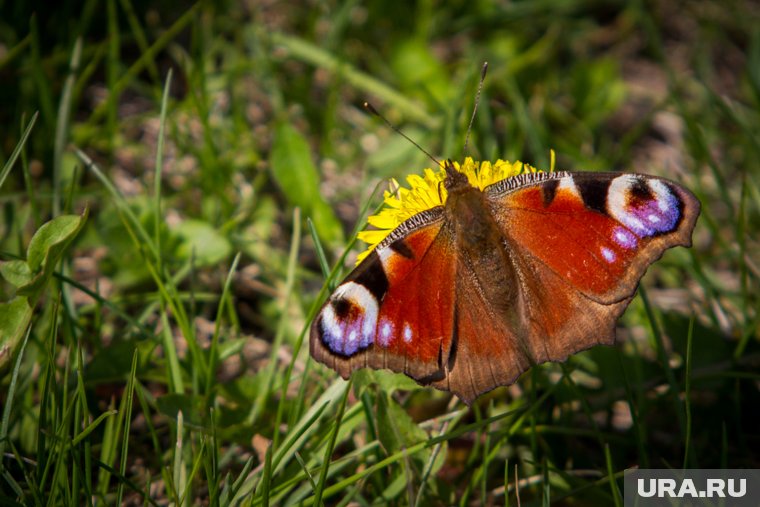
635 225
407 332
364 300
662 194
385 255
625 238
386 333
608 255
654 212
567 183
330 323
352 327
617 202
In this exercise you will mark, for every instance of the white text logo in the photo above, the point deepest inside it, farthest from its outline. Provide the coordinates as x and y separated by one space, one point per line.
715 488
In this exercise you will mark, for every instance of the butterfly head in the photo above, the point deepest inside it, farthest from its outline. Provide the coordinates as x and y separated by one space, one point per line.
455 180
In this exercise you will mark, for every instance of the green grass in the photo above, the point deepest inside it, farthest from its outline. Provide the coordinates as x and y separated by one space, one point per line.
206 168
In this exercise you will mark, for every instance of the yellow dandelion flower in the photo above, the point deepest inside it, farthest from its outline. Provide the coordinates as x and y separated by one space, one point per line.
427 191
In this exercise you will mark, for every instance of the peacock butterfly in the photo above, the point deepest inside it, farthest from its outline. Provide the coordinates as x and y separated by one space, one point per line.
467 295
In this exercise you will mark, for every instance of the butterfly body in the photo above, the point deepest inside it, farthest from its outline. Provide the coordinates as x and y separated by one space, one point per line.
467 295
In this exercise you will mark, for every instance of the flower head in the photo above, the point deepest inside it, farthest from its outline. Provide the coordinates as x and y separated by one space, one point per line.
427 192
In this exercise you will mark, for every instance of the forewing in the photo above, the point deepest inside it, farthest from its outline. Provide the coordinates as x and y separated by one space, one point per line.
395 310
598 232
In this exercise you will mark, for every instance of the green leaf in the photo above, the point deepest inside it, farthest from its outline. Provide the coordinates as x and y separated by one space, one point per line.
50 240
14 319
16 272
296 175
202 241
395 488
599 90
386 381
396 430
46 248
417 68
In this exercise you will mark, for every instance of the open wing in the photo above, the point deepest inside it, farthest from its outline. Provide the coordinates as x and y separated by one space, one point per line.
395 310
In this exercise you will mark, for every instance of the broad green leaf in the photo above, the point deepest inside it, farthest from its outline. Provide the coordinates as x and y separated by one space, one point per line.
599 90
386 381
231 347
396 430
295 173
15 316
418 69
389 382
395 488
16 272
52 238
204 242
46 248
123 264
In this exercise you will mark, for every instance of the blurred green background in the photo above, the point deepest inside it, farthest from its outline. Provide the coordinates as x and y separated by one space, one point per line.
153 346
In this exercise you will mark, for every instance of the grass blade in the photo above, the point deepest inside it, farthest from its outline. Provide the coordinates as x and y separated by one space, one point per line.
8 405
124 452
330 446
17 150
62 124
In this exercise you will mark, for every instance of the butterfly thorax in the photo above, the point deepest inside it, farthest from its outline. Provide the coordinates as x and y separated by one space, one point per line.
483 255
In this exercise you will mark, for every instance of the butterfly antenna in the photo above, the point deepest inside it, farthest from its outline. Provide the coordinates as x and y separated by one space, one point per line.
475 109
372 110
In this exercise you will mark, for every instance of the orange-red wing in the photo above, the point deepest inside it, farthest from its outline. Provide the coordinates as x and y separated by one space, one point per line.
597 232
395 309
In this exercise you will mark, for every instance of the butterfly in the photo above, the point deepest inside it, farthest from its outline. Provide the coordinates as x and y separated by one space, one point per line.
468 295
